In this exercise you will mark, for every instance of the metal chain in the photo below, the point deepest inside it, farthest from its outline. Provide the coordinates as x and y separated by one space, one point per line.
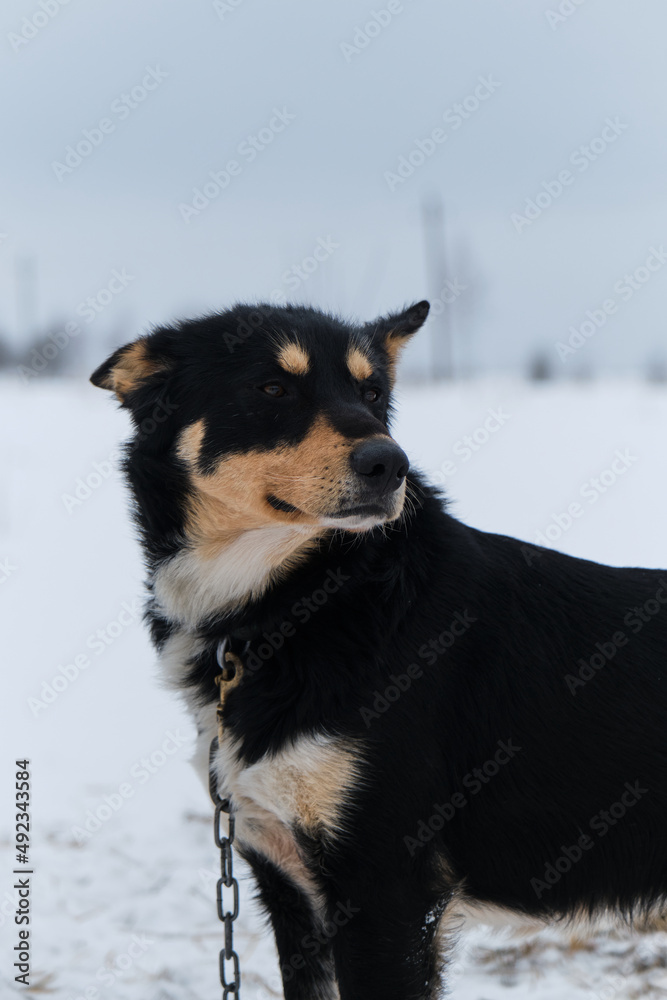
230 987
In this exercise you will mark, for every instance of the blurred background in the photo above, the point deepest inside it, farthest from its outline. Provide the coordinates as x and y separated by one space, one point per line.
519 91
505 159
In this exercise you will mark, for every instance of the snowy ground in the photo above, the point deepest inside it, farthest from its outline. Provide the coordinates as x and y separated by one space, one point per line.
128 914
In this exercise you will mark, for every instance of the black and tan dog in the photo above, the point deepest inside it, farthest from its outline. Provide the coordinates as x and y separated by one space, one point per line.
431 718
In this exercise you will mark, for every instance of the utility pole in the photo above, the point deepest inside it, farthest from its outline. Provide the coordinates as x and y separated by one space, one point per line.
433 221
26 299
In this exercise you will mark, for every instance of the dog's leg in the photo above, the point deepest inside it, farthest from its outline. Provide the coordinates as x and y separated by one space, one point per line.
304 948
387 944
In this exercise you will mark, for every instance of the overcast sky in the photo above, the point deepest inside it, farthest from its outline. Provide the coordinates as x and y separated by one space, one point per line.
333 110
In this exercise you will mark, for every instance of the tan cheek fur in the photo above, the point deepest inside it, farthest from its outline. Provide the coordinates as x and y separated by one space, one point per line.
238 545
313 476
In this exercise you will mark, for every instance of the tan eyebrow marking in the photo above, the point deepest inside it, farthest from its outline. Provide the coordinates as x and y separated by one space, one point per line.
294 359
358 363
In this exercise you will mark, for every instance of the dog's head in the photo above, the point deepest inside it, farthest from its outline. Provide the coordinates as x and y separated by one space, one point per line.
275 415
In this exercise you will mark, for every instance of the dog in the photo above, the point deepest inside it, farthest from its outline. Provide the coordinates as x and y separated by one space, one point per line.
431 719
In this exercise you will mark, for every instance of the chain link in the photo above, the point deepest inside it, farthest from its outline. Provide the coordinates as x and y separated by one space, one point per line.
231 987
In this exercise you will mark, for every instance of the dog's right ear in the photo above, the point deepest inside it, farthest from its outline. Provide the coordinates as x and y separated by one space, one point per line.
129 368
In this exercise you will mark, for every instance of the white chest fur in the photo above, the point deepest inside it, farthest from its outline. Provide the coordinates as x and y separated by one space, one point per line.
304 787
190 585
301 788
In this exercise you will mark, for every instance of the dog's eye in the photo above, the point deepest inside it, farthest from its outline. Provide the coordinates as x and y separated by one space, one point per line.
274 389
372 395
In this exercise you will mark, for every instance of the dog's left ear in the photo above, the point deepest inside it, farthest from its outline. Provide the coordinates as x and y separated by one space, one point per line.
129 368
393 332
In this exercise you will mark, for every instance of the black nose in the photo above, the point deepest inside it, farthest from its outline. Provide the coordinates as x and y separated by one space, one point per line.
382 463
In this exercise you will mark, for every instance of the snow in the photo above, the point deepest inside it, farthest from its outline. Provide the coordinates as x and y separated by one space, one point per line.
129 911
